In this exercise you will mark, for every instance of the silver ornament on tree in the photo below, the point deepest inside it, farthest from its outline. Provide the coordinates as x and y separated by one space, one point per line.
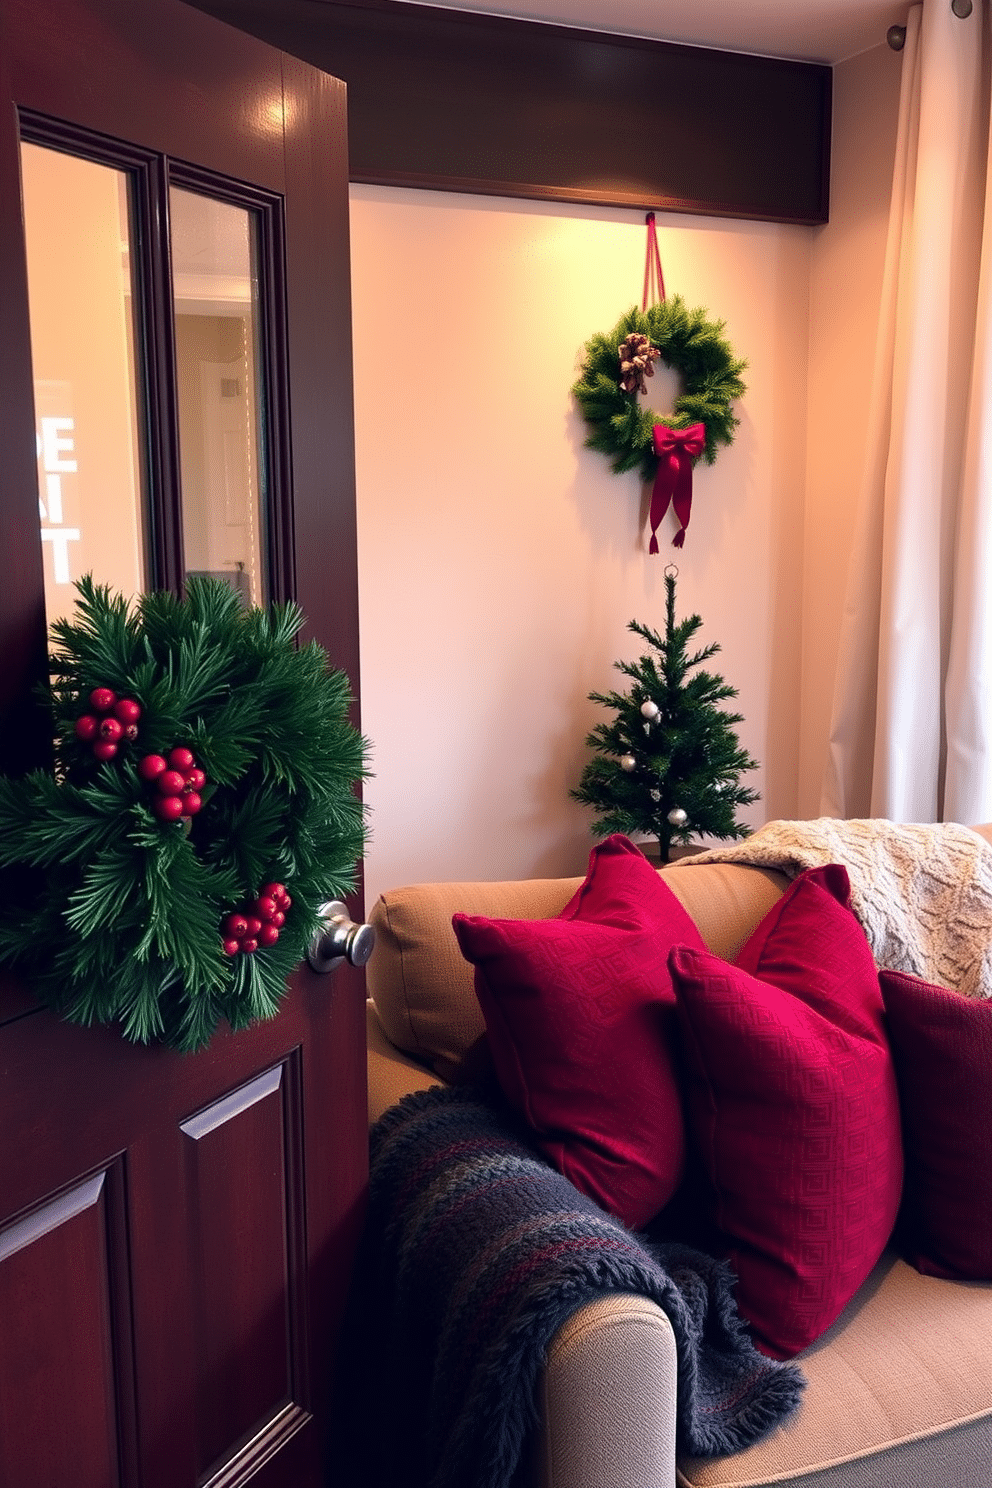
650 709
628 762
677 816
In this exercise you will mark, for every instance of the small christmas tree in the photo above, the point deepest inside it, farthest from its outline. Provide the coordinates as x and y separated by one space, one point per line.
669 763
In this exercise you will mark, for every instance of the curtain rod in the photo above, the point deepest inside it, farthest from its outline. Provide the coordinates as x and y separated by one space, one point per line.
896 35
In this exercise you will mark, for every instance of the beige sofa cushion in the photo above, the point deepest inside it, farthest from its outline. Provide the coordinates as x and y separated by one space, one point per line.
726 900
908 1357
422 986
392 1074
424 990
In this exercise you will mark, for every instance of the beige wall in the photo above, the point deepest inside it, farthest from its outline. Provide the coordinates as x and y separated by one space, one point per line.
500 561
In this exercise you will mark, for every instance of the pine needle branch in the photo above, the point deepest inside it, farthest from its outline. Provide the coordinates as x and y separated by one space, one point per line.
116 913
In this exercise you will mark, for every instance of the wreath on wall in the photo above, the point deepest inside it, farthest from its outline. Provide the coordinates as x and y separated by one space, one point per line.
663 447
167 873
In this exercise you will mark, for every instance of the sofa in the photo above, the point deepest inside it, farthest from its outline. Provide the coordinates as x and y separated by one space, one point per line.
898 1387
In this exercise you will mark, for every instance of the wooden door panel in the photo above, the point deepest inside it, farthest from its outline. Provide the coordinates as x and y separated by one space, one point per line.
176 1231
60 1273
221 84
245 1221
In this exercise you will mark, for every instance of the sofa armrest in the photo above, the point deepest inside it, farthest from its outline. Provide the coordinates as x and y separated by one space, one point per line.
606 1399
391 1073
606 1396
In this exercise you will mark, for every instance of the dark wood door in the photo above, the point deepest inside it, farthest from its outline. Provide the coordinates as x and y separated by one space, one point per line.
176 1231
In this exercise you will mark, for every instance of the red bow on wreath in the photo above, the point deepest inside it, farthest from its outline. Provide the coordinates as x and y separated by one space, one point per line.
676 449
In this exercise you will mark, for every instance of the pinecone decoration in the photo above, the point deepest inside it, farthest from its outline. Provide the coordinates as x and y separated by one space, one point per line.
637 358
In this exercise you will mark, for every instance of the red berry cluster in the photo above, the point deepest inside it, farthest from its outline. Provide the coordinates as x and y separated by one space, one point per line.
178 780
113 722
260 923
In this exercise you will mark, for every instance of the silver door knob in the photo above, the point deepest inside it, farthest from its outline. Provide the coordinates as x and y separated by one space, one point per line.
339 939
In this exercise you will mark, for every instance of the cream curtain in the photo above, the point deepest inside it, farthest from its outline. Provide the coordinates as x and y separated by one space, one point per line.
911 728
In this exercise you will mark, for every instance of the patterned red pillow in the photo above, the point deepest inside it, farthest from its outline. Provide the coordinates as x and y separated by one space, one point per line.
942 1051
580 1015
793 1107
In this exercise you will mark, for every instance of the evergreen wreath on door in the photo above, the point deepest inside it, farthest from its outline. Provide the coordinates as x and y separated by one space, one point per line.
168 871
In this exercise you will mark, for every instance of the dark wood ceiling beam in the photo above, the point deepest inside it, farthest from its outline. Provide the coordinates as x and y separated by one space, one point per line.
460 101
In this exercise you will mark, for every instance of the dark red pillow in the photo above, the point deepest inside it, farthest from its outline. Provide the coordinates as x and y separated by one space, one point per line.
942 1051
793 1106
580 1015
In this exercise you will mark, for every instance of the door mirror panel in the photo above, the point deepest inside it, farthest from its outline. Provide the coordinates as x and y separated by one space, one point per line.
215 283
92 505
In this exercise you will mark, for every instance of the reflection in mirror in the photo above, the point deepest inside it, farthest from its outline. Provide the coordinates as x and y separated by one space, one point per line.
215 289
76 225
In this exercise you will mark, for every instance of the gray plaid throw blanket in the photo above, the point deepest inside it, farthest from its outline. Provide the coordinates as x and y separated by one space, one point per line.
475 1251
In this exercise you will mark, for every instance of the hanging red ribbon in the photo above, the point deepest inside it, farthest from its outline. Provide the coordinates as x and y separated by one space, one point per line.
676 449
654 284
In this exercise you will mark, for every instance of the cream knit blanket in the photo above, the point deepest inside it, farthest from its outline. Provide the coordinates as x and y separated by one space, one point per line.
923 893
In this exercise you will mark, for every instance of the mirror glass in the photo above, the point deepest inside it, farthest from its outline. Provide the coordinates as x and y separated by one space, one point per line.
77 232
215 289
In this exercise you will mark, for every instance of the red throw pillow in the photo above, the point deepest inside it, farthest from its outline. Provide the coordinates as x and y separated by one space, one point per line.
793 1106
580 1015
942 1050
